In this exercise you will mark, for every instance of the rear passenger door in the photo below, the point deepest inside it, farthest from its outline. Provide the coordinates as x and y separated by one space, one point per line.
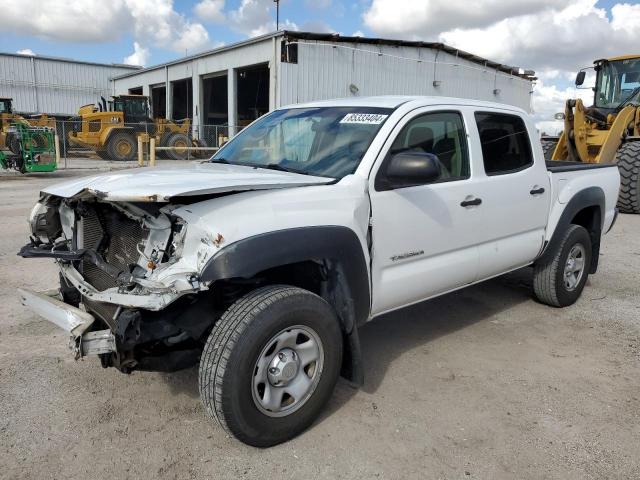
514 191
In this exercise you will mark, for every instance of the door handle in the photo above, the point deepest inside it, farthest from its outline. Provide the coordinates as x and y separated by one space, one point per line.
537 191
471 202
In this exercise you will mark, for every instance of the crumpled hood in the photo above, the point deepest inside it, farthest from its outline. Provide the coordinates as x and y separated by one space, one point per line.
155 184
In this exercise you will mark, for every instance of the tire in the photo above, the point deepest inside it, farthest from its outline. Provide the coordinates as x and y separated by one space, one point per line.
178 140
199 142
103 154
122 147
549 282
162 154
229 375
628 160
548 147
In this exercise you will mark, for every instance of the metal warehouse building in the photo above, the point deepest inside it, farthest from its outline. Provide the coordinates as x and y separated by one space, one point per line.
235 84
40 84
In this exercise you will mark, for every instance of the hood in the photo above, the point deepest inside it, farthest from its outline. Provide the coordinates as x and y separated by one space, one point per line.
153 184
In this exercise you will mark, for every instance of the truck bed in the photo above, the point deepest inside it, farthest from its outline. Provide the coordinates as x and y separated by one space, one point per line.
563 166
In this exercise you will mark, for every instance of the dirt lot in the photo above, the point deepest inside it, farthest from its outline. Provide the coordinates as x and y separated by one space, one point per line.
483 383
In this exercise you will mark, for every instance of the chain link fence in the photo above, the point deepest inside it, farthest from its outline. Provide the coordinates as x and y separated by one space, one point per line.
107 138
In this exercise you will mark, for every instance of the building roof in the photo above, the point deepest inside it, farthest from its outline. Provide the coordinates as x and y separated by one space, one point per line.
70 60
334 37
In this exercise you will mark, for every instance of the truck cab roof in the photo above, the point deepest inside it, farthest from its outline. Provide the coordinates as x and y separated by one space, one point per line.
395 101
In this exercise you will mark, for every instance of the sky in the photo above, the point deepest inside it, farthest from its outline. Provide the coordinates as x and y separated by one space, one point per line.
553 37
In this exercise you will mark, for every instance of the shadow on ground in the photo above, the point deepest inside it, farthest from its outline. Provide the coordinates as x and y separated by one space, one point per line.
389 336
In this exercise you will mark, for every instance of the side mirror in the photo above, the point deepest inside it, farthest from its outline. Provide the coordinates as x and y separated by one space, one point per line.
407 169
580 77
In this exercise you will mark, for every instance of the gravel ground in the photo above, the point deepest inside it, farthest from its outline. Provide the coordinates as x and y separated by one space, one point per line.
483 383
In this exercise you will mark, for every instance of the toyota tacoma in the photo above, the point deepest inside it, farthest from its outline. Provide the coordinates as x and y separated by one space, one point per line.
260 263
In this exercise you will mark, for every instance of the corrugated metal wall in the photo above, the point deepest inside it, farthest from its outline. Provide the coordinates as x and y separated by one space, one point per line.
331 70
56 86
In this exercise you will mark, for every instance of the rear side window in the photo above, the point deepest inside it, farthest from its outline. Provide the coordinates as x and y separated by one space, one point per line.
505 143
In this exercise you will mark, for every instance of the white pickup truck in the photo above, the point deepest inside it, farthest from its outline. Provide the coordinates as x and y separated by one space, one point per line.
262 262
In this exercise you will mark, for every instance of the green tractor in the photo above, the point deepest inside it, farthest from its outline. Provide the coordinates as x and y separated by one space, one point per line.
36 151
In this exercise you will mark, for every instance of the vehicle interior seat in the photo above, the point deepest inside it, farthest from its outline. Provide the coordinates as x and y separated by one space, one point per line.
495 149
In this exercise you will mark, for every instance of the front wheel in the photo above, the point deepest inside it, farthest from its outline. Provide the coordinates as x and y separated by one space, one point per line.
122 147
270 364
558 279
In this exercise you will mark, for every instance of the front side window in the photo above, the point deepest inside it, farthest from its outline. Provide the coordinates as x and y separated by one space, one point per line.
439 133
325 141
505 143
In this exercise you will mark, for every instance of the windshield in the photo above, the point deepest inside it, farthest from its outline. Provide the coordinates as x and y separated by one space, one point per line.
617 81
327 141
5 106
135 108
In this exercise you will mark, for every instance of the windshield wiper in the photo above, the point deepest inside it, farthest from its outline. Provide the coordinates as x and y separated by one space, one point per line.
280 168
219 160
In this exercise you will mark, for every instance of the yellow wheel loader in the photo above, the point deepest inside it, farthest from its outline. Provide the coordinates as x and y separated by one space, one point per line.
608 131
112 130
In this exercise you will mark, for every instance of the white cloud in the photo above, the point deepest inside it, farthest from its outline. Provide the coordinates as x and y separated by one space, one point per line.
257 17
357 33
426 19
139 56
26 51
554 37
156 22
152 22
210 10
88 21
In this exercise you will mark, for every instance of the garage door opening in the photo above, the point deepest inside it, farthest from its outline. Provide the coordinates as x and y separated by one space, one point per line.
253 93
182 99
215 111
159 102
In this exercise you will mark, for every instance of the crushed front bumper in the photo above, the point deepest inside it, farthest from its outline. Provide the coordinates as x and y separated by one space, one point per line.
72 320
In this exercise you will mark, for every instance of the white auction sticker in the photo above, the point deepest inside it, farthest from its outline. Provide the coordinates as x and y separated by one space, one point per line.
366 118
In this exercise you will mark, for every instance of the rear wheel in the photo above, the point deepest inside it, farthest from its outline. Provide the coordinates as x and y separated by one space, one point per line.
122 146
179 142
548 147
270 364
102 154
559 279
628 160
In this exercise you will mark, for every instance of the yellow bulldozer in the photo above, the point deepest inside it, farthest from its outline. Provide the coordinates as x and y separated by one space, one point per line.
112 129
609 130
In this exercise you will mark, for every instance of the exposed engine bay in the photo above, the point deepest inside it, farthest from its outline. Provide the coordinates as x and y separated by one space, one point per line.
120 262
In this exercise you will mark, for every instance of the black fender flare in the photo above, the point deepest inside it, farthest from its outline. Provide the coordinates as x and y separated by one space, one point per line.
337 246
589 197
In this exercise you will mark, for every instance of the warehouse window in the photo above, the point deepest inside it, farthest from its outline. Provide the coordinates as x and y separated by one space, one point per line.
505 143
135 91
289 52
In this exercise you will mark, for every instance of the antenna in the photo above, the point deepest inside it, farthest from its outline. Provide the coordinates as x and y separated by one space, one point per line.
277 2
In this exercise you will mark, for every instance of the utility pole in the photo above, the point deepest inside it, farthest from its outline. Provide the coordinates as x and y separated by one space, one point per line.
277 2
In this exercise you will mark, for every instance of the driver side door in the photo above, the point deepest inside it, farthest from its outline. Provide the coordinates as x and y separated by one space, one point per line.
423 235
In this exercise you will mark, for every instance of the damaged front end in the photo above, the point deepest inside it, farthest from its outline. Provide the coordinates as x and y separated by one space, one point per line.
126 291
